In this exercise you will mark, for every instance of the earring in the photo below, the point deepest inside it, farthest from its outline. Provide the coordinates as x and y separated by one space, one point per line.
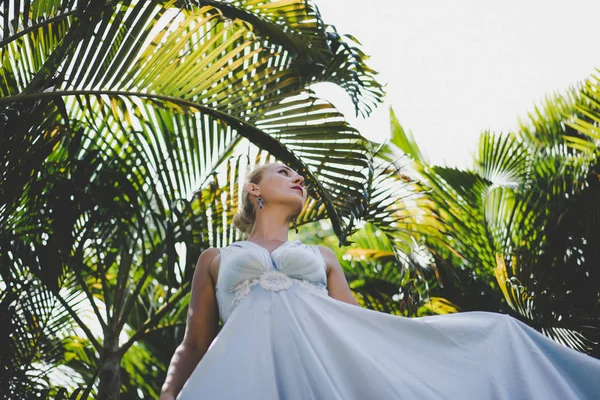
295 225
260 202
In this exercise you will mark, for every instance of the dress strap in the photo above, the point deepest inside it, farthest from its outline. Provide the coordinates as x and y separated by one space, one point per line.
315 249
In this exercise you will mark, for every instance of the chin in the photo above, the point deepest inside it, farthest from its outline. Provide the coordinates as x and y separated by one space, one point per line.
299 204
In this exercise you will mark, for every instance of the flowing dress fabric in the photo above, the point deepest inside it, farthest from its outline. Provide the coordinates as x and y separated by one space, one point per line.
284 338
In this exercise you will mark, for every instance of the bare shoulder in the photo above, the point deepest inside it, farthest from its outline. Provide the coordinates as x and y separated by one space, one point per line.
209 259
330 258
337 285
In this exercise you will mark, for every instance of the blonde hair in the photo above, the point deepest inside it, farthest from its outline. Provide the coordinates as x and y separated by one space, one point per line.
246 216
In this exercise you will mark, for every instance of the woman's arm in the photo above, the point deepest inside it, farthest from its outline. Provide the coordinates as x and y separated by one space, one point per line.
337 285
201 328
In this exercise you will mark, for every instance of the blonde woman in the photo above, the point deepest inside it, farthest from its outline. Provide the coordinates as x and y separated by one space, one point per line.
292 329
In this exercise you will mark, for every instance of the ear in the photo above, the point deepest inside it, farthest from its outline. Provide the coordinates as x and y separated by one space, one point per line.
252 189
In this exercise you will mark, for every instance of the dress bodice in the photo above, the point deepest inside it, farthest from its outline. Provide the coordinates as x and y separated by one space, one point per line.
244 265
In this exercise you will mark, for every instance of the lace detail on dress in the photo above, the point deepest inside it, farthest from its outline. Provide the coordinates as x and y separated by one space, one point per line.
242 290
312 287
274 281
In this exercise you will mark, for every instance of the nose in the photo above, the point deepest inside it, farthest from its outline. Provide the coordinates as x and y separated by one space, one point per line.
300 180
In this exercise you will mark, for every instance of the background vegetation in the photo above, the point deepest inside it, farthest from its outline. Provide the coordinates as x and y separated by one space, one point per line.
126 128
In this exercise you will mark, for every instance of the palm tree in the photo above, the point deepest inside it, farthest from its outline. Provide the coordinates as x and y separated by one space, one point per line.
117 119
378 279
518 232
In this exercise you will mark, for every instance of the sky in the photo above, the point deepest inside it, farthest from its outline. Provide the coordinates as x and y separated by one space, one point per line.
455 68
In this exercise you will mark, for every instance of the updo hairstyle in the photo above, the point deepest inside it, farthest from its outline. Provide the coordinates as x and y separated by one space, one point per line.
245 218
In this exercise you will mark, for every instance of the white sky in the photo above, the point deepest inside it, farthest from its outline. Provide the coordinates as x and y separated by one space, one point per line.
457 67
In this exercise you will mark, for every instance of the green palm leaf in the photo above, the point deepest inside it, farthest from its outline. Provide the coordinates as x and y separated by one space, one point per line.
127 126
520 221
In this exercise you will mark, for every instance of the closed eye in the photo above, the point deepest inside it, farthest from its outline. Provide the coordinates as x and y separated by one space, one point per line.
287 173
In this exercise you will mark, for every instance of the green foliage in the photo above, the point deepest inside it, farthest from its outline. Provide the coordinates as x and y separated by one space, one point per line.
117 119
518 233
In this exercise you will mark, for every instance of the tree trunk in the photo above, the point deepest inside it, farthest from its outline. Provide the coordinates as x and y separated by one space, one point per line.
110 369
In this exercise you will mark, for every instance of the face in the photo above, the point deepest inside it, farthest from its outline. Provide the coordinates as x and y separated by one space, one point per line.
278 183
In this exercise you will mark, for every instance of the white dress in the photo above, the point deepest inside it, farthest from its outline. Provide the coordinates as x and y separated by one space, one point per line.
284 338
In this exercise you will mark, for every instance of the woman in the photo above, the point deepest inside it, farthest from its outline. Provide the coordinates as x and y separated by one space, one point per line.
293 330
